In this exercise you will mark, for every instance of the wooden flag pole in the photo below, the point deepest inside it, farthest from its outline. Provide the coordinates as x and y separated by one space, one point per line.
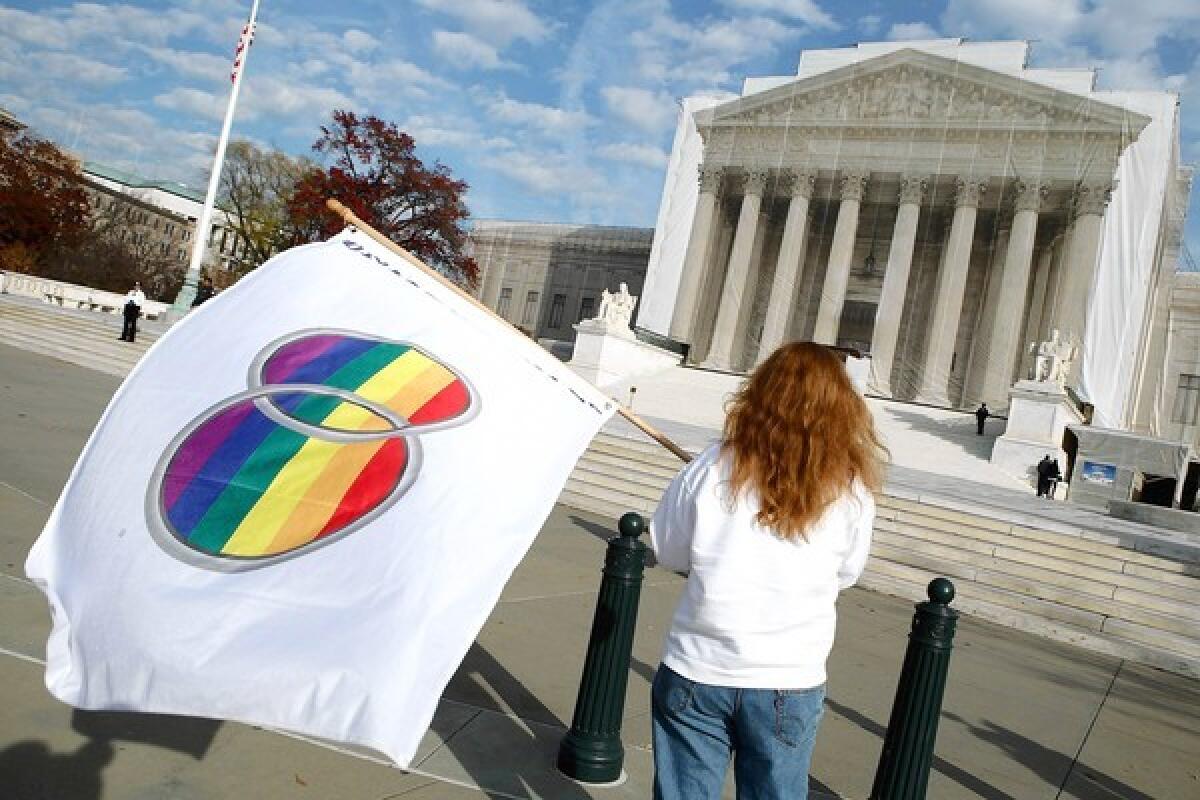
352 219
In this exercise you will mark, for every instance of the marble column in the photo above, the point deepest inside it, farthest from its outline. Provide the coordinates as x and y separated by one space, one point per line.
790 265
1079 267
948 296
493 276
1037 300
837 273
1013 290
895 284
735 301
696 259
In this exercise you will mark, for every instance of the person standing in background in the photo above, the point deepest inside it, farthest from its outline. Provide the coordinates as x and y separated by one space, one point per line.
132 310
981 415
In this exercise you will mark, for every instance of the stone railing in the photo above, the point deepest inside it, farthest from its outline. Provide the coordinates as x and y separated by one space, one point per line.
68 295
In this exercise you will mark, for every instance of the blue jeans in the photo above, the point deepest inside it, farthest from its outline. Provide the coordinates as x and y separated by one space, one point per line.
697 727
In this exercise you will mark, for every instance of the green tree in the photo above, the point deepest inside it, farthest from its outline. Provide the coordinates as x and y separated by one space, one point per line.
257 187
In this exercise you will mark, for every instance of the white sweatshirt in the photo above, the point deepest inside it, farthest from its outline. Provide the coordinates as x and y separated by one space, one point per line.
758 610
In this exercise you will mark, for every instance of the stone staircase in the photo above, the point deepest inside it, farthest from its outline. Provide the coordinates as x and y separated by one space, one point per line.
86 338
1082 583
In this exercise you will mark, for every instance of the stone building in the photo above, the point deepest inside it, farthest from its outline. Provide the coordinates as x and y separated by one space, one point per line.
160 216
938 205
544 277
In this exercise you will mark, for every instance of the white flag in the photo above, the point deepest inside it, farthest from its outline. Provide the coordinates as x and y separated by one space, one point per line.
302 505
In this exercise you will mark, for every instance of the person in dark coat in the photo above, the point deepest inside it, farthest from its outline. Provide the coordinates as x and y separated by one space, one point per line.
981 415
131 312
203 292
1048 475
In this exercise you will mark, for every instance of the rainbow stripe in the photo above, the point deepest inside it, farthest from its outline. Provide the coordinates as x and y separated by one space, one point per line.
243 485
397 376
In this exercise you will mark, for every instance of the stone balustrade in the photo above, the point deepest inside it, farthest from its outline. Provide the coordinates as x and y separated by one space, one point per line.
69 295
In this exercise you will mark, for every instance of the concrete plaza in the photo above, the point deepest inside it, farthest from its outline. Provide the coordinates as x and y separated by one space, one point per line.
1023 717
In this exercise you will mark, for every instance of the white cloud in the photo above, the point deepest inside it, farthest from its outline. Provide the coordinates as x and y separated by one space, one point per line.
359 41
870 24
191 63
464 50
550 173
195 102
651 111
902 31
498 22
705 54
641 154
71 67
804 10
534 115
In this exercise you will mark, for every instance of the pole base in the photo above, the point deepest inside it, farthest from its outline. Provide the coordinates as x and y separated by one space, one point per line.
591 759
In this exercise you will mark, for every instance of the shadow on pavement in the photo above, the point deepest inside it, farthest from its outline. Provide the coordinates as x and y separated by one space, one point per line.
491 747
1051 766
968 781
961 433
30 771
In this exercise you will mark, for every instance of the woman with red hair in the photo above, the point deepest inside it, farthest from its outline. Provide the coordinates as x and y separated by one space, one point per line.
769 525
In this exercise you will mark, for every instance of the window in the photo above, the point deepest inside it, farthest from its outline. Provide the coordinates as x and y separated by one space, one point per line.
587 309
1187 400
557 306
530 313
504 302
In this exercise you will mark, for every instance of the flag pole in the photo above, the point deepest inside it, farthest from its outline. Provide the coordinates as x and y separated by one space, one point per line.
187 294
351 218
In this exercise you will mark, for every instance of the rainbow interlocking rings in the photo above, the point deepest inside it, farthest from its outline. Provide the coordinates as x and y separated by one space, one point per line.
323 442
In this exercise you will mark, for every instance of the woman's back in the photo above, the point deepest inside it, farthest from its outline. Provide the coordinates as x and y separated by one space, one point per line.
758 609
768 525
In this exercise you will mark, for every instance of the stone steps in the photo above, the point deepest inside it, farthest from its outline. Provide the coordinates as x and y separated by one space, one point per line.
1069 582
72 337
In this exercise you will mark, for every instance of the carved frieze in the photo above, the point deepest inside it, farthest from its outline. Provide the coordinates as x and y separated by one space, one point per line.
905 93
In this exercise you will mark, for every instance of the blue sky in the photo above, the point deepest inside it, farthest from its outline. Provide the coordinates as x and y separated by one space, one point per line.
553 110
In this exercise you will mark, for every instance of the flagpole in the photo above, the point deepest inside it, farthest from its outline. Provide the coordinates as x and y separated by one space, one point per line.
187 294
351 218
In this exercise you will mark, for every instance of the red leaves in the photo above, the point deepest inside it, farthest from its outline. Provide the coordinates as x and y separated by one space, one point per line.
42 203
374 170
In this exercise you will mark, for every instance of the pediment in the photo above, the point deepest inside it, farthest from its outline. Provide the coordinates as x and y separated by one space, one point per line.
913 89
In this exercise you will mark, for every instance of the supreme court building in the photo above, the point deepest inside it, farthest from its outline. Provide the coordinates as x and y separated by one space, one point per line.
940 206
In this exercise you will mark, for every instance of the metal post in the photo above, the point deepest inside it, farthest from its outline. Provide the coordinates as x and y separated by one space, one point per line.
591 751
903 772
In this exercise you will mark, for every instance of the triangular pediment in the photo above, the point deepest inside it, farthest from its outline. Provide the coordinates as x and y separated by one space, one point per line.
910 88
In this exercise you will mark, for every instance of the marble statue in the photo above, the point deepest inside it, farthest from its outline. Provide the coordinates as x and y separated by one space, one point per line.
1055 356
616 309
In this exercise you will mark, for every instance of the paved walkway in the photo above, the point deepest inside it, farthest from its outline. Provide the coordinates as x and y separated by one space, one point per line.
1024 718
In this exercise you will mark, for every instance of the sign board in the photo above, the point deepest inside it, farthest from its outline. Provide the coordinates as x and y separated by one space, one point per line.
1094 472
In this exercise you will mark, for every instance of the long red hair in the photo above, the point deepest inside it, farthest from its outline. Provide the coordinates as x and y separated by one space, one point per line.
799 435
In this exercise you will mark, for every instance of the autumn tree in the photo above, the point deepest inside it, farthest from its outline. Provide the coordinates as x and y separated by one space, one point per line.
43 207
373 169
257 187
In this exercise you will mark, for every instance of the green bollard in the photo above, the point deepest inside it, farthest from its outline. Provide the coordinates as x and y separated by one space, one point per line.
903 772
591 751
